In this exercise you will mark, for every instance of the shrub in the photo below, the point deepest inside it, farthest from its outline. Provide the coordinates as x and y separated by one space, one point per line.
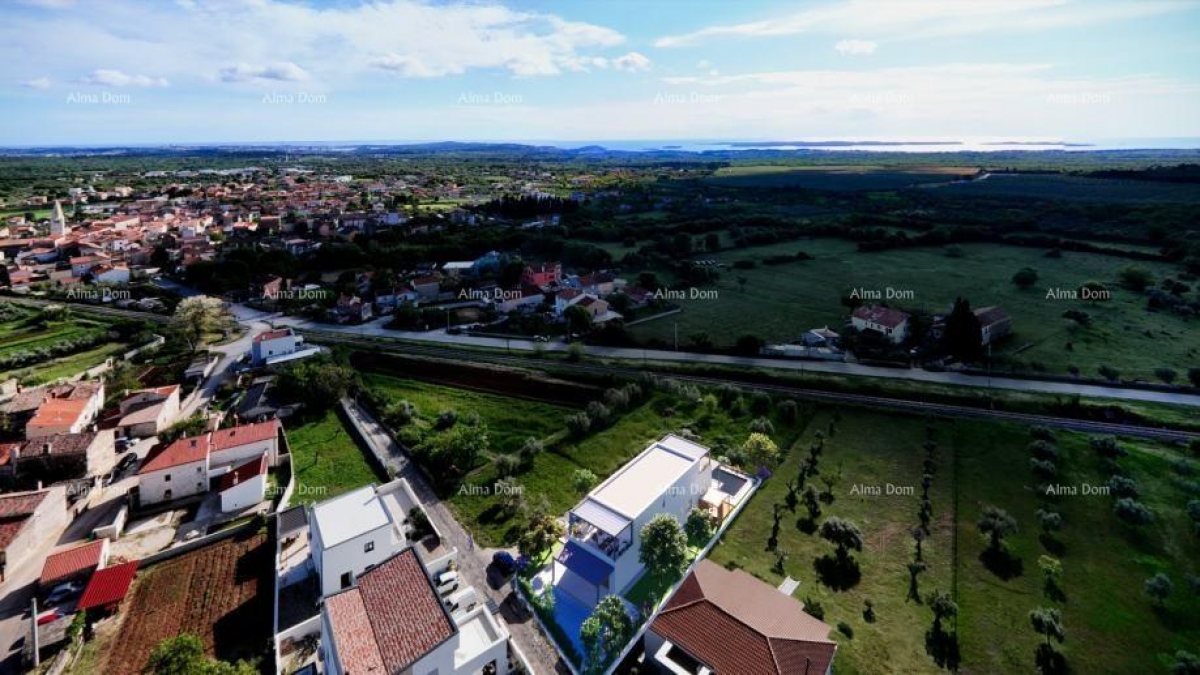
1025 277
446 419
698 528
507 465
814 609
762 425
1132 511
789 411
578 424
845 629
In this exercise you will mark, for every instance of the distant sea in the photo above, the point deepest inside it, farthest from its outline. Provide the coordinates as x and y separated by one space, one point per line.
901 145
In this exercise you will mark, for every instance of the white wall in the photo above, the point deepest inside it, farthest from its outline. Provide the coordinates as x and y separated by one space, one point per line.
352 556
185 480
244 494
243 453
678 501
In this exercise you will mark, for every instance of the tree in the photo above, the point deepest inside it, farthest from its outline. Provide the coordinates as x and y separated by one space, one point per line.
1194 376
540 535
760 450
530 450
1025 277
1047 622
1052 570
1193 511
1050 521
843 534
318 383
1159 588
995 525
698 528
1132 511
196 316
583 480
943 607
604 632
579 320
963 334
575 352
1135 278
664 546
1186 663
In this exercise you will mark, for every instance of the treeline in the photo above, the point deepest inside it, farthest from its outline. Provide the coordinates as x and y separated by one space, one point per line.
527 206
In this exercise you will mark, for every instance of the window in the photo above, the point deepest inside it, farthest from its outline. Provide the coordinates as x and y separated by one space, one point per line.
199 469
167 478
167 494
345 580
368 547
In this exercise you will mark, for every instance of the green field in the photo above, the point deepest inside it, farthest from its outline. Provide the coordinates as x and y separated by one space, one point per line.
68 366
326 459
510 421
46 350
779 302
1110 624
1075 188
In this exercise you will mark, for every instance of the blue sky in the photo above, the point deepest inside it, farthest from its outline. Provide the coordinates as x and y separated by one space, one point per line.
189 71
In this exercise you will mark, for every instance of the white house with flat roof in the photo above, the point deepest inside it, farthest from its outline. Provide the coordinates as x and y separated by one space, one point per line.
355 531
672 475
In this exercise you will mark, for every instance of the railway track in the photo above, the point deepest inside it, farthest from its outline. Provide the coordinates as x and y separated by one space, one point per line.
923 407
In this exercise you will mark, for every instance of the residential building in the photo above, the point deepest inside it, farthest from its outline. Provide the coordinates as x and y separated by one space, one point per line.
355 531
544 274
392 620
175 471
26 519
891 323
59 457
723 621
146 412
277 346
244 486
994 323
671 476
235 445
65 409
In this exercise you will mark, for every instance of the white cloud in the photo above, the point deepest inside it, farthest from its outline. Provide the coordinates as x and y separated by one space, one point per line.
37 83
855 47
116 78
910 19
284 71
632 62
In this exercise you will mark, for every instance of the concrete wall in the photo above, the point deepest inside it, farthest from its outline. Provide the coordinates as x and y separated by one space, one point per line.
183 481
244 494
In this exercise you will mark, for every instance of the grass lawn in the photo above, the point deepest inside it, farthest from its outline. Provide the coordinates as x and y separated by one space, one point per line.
327 459
1110 624
782 301
510 421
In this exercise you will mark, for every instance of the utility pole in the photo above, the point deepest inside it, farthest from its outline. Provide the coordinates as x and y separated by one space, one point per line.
33 618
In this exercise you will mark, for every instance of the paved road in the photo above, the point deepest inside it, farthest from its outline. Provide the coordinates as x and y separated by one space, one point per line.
473 560
376 329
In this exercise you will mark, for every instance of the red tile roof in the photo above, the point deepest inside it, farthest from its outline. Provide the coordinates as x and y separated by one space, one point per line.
182 451
391 619
884 316
243 473
233 437
734 623
108 586
68 563
58 411
273 334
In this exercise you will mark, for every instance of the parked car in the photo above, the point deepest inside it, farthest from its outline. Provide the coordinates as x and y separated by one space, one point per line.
122 444
49 616
62 592
127 461
504 562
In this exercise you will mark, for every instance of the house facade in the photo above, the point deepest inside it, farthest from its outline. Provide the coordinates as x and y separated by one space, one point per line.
176 471
891 323
272 344
671 476
26 519
356 531
242 443
244 486
66 409
147 412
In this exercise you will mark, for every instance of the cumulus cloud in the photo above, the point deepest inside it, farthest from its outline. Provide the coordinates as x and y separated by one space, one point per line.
37 83
284 71
855 47
115 78
632 62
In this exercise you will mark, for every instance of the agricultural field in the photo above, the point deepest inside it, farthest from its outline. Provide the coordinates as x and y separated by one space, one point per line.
326 459
1111 625
509 420
39 348
221 593
779 302
848 178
